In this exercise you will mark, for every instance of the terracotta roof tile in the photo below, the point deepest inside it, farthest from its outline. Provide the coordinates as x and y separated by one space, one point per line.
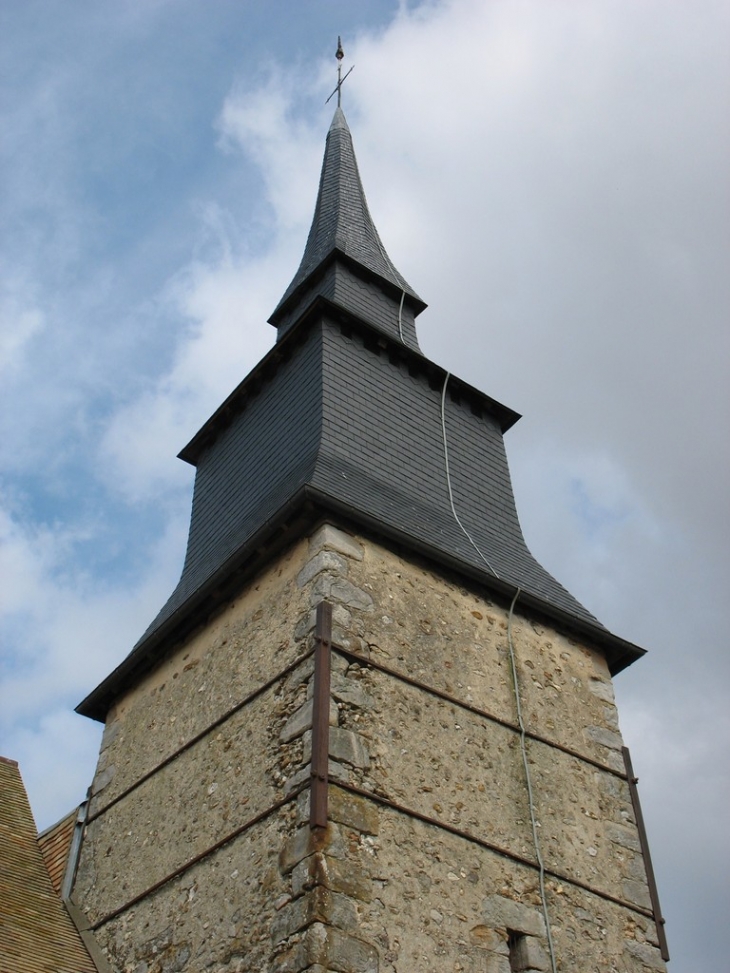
36 932
54 844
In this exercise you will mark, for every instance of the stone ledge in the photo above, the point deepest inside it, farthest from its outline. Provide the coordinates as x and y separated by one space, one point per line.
336 540
508 914
305 842
637 892
335 771
604 737
341 620
348 690
354 811
529 955
341 591
619 834
344 745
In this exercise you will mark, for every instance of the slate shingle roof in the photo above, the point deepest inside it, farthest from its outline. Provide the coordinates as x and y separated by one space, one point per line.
343 233
343 418
36 931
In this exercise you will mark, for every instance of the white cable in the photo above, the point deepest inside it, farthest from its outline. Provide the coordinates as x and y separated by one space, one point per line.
528 779
448 477
397 276
513 665
400 317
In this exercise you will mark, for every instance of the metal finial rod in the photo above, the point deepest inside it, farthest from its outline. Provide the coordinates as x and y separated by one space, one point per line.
340 80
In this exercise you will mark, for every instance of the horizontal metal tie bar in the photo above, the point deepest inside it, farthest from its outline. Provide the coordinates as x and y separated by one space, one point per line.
489 846
231 836
259 691
441 694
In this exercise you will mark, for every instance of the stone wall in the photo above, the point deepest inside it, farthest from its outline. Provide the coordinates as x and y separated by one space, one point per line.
427 863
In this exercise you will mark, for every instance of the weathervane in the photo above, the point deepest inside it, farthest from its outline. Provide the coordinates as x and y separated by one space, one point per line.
340 80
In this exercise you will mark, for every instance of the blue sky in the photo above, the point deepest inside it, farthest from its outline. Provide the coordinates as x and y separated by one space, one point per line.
551 177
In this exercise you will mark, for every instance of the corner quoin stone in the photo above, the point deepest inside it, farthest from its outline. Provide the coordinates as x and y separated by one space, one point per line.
336 540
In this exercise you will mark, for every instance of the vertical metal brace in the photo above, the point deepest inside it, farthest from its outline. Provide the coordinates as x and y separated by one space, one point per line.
321 717
643 841
72 862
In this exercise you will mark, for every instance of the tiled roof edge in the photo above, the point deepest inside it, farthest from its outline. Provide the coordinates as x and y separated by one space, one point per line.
83 928
284 348
416 302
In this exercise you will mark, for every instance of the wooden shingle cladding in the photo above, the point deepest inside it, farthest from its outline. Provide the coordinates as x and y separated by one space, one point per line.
36 931
54 844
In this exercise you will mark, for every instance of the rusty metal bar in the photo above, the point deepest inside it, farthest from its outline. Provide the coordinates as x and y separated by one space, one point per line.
321 717
644 842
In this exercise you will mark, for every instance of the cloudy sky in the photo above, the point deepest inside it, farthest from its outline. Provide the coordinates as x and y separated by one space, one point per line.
550 176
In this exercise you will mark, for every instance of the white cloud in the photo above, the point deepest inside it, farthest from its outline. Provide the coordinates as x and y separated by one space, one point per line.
68 629
19 323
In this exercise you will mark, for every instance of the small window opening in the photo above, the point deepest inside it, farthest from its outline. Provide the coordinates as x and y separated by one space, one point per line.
515 944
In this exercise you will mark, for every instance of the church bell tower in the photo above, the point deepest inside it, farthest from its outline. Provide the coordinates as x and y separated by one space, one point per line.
367 732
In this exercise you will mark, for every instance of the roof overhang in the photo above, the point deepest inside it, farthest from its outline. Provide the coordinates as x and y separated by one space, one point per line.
301 514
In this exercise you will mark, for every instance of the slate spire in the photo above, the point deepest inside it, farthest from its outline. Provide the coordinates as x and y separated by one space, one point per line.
343 236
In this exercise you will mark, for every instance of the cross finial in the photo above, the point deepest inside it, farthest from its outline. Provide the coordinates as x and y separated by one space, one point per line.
340 80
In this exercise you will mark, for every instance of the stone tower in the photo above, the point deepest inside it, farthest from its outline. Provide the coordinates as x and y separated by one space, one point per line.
368 731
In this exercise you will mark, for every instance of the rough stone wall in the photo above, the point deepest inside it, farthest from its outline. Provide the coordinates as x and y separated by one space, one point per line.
426 862
431 858
153 812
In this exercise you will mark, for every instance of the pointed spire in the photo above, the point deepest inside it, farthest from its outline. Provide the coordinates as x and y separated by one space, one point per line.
342 225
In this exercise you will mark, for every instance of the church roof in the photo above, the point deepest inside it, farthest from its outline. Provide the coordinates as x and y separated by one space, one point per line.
37 934
55 846
342 225
345 418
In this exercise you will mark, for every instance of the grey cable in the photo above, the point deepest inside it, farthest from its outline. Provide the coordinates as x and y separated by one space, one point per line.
448 477
528 779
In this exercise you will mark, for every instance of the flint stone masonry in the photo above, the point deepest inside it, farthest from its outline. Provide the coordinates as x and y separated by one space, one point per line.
431 909
376 891
240 649
428 909
187 806
215 916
